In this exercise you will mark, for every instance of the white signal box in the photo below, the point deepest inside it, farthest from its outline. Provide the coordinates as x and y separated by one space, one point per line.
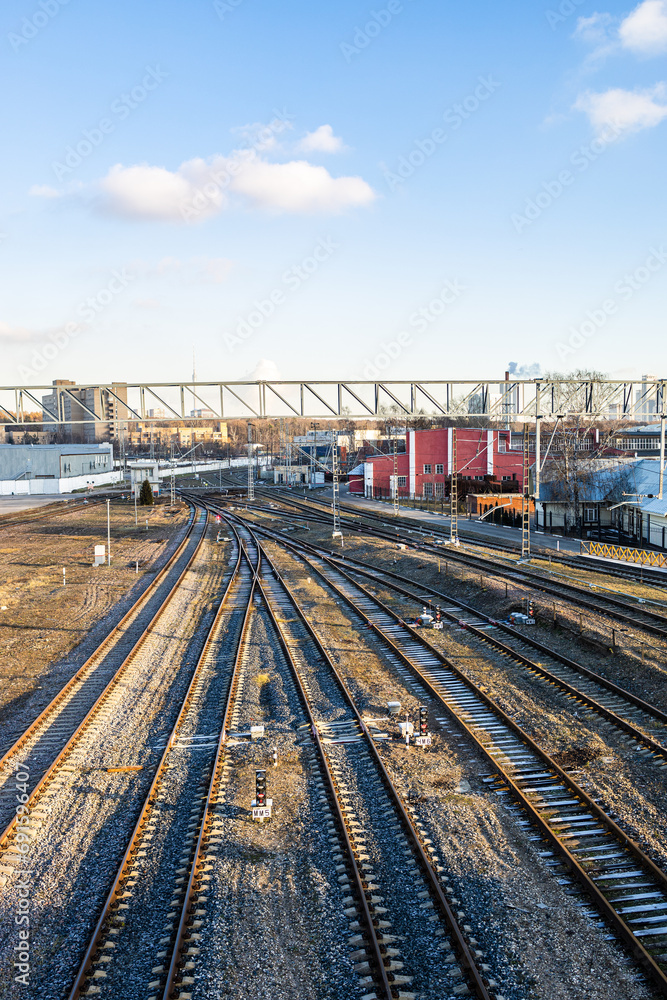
100 555
260 813
256 732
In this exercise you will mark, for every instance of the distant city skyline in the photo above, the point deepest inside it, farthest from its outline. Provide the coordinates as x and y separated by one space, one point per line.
401 190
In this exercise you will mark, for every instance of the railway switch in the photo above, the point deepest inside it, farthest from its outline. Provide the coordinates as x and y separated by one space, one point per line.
261 806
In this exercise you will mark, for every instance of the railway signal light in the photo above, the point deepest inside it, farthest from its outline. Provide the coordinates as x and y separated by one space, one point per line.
261 806
260 788
423 739
531 609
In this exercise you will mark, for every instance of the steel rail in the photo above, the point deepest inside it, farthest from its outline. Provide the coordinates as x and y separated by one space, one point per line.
656 748
621 927
656 625
113 897
463 951
213 789
47 776
10 520
426 595
106 642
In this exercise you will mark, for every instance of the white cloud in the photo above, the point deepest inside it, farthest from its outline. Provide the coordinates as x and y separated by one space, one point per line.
626 110
214 269
264 369
16 333
594 29
645 30
44 191
199 188
322 140
299 188
145 192
147 303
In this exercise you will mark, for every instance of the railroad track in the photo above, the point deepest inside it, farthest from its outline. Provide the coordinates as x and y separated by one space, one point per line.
645 723
49 510
637 574
49 740
148 930
387 866
624 885
629 614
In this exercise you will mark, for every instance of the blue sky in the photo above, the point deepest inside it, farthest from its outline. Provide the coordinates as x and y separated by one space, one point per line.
413 188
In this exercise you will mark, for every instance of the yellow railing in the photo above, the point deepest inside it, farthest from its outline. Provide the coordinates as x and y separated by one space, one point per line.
644 556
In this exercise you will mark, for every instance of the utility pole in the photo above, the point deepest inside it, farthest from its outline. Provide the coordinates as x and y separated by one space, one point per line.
337 533
108 532
662 446
525 499
172 479
313 450
454 495
251 481
396 504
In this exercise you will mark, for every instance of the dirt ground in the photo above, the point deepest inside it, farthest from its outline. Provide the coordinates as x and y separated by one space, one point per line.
41 621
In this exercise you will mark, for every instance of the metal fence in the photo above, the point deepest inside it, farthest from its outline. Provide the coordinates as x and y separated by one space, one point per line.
644 557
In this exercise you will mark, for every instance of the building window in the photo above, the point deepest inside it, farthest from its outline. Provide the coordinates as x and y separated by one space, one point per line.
590 514
427 470
439 470
507 479
440 489
428 489
402 480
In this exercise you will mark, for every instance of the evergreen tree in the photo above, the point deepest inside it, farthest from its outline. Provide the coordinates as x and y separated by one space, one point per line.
146 494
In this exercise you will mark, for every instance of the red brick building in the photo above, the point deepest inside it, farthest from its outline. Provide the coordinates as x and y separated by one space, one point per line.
426 465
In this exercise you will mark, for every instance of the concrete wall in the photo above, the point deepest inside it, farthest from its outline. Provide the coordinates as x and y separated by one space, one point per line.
26 461
40 487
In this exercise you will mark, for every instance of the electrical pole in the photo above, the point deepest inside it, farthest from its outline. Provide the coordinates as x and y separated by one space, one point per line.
172 479
454 495
396 504
525 500
337 533
108 532
251 482
662 455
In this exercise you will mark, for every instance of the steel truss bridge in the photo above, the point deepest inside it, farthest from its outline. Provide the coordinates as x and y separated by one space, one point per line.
200 402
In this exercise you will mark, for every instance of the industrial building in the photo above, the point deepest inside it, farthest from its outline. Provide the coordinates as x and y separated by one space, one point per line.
55 468
427 463
72 404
